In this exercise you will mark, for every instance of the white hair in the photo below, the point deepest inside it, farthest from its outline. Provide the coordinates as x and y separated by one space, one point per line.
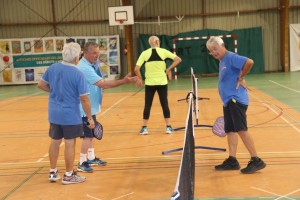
152 39
214 40
71 51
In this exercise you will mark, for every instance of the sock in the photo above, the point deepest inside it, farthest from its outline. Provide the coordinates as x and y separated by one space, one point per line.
53 170
69 173
91 154
82 158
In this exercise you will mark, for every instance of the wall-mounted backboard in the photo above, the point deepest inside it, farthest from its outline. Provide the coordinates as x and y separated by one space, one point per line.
120 15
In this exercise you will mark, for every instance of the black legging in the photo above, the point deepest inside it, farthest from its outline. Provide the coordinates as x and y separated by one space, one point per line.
162 91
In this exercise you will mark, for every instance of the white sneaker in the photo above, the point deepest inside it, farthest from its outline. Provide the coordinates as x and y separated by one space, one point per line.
73 179
144 130
169 130
53 176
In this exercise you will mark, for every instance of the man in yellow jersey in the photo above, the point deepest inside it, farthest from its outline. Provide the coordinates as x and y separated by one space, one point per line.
156 73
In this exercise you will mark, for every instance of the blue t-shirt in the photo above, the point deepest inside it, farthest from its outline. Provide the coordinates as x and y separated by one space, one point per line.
230 68
67 84
92 74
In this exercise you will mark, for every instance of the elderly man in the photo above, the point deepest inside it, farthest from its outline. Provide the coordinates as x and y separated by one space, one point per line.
156 74
233 91
68 88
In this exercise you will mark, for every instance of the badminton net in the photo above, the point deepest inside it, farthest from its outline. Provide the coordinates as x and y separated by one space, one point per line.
195 92
184 188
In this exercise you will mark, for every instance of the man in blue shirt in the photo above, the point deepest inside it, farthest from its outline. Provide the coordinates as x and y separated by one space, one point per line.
233 91
67 87
89 66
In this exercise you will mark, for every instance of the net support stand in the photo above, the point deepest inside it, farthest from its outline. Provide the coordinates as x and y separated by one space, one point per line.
196 125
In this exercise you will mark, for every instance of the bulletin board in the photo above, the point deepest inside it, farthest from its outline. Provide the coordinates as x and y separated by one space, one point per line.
24 61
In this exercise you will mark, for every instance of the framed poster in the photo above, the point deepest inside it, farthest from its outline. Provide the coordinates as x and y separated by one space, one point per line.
25 60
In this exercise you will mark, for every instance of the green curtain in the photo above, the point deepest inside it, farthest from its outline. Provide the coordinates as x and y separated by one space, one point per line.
195 54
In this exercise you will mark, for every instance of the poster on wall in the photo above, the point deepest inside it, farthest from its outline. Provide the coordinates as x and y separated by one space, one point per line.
24 61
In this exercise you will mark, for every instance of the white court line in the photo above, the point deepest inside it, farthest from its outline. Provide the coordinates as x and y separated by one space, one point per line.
284 86
42 158
46 155
113 198
290 124
162 156
114 105
285 196
284 119
271 193
123 196
102 113
92 197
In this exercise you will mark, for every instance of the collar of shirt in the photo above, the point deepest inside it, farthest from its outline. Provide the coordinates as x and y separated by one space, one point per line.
66 63
86 61
95 66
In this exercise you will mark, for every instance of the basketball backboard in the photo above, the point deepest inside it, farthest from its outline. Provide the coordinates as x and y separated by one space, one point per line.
120 15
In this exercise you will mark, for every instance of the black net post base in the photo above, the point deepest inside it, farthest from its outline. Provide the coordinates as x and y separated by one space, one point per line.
196 147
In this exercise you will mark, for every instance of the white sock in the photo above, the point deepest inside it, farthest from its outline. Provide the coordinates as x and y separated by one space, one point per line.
69 173
53 170
82 158
91 153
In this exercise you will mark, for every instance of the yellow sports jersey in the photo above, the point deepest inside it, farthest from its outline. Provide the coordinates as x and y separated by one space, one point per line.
155 65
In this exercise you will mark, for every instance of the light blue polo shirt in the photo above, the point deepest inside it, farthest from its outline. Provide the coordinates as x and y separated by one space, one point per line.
92 74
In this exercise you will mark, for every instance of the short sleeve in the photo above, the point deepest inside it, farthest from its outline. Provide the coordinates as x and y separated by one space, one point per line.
169 54
239 61
45 76
141 59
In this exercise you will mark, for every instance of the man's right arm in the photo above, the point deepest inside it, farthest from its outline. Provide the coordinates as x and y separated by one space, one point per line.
43 85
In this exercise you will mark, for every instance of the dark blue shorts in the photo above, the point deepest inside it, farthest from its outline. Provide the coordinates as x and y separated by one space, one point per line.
235 117
88 133
57 131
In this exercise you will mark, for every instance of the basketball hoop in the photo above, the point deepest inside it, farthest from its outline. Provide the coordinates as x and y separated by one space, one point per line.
120 16
120 21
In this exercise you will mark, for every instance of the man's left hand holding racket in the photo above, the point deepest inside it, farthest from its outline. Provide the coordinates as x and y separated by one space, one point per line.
90 123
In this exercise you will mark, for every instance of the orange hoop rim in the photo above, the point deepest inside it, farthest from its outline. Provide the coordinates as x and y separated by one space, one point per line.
121 21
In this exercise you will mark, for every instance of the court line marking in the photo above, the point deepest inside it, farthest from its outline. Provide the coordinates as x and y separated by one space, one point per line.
101 114
162 156
22 183
113 106
125 195
264 103
285 86
46 155
279 196
92 197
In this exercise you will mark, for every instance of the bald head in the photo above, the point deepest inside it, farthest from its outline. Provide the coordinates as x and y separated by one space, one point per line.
154 41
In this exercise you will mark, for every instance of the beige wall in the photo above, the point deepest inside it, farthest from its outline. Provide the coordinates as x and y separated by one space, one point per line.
31 19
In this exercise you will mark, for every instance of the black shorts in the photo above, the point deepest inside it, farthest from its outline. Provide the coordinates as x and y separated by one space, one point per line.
235 117
88 133
58 132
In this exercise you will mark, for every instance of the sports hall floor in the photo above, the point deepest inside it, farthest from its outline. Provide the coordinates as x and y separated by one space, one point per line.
136 168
